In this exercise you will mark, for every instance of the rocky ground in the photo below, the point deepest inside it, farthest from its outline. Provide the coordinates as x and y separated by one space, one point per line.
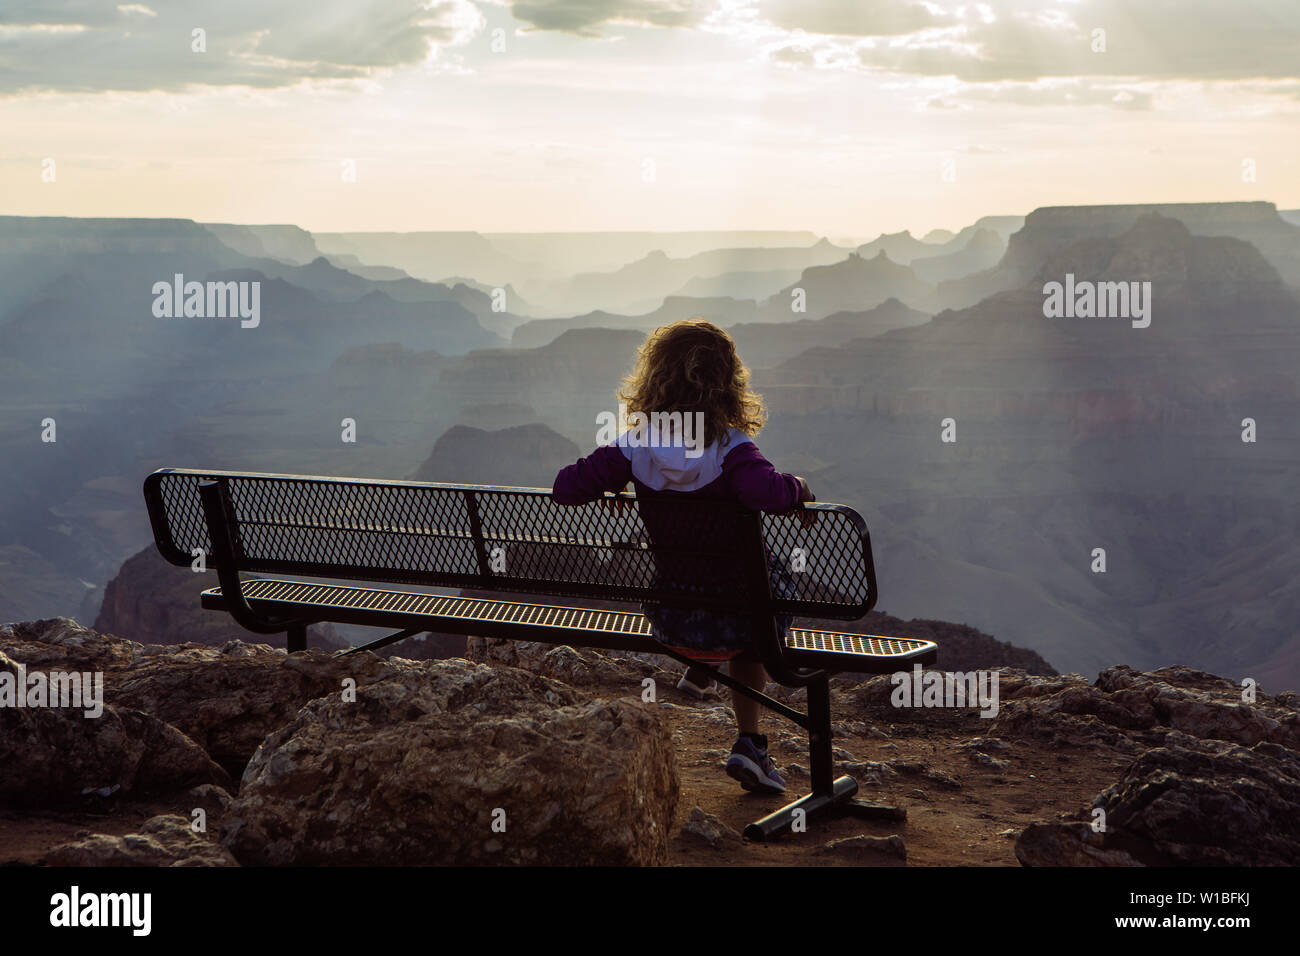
530 754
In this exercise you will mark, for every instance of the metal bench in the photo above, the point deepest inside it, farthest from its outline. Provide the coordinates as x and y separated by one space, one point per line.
384 537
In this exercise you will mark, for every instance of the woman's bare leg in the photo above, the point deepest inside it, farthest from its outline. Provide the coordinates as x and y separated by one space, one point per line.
752 674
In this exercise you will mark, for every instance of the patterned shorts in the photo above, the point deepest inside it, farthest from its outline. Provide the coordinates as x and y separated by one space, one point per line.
704 634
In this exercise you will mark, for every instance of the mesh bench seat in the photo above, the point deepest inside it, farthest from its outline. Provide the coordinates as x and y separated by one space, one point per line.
548 623
380 539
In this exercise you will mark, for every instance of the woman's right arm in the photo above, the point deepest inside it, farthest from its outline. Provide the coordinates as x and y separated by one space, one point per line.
758 485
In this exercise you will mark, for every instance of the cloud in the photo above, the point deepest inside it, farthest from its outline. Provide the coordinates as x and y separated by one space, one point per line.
1074 92
1025 40
79 45
586 16
851 17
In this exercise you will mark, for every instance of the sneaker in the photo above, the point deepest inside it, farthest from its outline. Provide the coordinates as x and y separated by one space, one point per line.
697 682
750 764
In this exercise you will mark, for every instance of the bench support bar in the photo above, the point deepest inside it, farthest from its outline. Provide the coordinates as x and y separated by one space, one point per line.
836 803
383 641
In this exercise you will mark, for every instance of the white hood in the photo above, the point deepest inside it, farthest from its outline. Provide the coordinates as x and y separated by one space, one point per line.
667 467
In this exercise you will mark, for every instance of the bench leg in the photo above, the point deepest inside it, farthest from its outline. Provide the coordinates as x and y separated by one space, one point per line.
297 638
803 810
830 796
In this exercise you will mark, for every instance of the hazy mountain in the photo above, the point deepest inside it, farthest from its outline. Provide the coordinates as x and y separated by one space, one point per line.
641 286
983 251
1052 228
538 332
901 247
1004 226
527 455
355 265
1072 434
1075 434
852 285
559 254
126 390
938 237
498 258
429 255
1290 215
516 303
738 285
286 243
765 343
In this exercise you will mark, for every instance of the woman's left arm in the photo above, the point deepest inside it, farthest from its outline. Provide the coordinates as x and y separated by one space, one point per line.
605 469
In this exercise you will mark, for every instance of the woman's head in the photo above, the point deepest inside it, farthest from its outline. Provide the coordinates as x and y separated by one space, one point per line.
692 366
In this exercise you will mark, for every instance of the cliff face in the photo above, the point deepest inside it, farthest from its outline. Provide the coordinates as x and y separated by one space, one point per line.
1051 229
526 456
159 602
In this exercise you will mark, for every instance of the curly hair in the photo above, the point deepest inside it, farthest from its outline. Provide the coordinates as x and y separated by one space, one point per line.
692 366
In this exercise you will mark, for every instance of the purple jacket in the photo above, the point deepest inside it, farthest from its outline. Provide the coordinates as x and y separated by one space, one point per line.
732 468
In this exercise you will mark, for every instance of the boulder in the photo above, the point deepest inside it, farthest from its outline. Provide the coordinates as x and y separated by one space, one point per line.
579 667
1192 803
704 827
864 848
1136 710
228 699
55 756
459 763
162 841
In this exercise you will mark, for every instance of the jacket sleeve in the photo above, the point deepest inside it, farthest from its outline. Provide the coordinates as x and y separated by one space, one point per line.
758 485
605 469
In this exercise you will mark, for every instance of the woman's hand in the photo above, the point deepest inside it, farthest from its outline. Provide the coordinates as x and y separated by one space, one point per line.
617 505
806 518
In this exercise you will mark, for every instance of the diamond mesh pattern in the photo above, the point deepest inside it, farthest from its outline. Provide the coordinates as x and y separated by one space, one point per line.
513 539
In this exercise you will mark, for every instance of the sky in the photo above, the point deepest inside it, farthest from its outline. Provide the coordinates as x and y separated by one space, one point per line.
842 117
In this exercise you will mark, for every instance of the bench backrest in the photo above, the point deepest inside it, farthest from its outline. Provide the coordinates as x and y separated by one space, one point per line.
496 538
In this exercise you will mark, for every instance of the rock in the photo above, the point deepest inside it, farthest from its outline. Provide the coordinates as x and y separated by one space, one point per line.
578 667
915 768
54 756
162 841
851 728
868 772
1208 803
228 699
212 800
981 759
422 765
1073 844
61 643
942 780
1133 711
707 828
856 847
